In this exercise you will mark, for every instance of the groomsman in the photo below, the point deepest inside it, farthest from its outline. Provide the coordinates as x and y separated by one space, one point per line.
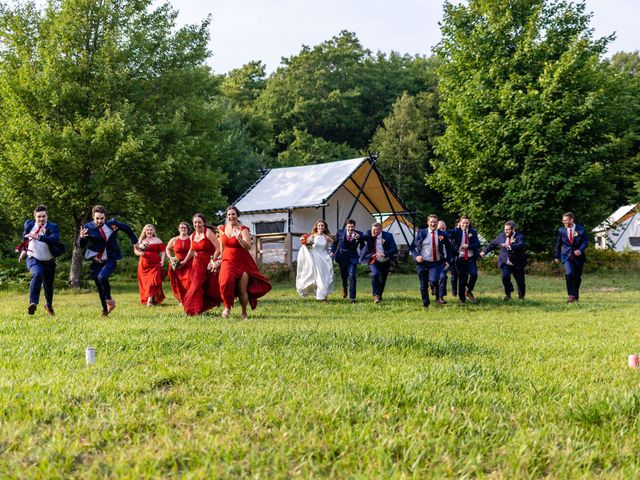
344 251
466 250
100 239
430 250
379 248
451 268
511 260
41 244
571 243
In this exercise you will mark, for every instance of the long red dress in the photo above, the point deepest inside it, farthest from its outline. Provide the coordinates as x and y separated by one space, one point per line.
204 291
151 274
235 261
179 279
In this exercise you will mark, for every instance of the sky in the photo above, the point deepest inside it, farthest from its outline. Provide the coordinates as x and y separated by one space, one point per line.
267 30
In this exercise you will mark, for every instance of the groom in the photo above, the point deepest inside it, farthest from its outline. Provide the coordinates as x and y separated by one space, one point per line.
379 248
345 253
99 237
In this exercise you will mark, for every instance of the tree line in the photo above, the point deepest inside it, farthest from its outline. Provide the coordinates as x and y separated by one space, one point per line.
518 114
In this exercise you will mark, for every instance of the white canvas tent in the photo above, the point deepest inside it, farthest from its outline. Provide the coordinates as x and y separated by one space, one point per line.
290 200
402 229
621 231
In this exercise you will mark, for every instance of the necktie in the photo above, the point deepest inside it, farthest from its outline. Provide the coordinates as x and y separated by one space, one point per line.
349 238
434 249
104 237
373 257
508 241
466 251
571 236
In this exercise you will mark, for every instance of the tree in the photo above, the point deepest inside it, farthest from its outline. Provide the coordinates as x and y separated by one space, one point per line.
405 143
309 150
338 91
104 101
533 115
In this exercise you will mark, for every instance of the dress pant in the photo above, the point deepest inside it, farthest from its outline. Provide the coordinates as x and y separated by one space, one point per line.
573 277
518 275
42 275
348 272
467 276
429 274
379 274
100 272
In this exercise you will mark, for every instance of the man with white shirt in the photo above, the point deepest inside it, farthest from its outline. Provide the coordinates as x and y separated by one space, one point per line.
465 246
511 260
100 239
571 244
430 249
40 240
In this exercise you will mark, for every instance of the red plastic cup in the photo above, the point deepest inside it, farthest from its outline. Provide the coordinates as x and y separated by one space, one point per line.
633 361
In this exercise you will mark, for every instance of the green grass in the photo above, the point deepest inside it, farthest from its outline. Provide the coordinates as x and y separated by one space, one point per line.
309 390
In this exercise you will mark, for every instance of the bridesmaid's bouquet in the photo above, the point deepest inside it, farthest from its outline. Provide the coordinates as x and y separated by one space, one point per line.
307 240
175 263
142 246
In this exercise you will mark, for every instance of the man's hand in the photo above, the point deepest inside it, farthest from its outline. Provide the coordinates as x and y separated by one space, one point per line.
84 232
464 246
577 253
22 255
482 254
419 259
555 260
379 256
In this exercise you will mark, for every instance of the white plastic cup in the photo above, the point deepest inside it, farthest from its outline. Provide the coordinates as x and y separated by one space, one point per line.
90 355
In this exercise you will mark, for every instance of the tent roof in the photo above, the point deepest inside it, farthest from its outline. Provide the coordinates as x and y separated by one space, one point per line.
621 215
312 186
391 219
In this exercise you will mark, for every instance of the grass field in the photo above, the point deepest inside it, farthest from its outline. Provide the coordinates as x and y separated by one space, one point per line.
301 389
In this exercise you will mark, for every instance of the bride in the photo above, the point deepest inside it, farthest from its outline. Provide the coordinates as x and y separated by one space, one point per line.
315 267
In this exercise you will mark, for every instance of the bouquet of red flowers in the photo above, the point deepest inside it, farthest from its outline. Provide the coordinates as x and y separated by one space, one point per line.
306 240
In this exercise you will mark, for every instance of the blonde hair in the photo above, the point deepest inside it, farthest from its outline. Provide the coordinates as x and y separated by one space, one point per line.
142 234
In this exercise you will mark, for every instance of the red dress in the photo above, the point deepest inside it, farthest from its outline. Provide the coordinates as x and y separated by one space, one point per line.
235 261
204 292
151 274
179 279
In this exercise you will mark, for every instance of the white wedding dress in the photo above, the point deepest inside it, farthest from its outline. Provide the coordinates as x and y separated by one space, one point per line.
315 269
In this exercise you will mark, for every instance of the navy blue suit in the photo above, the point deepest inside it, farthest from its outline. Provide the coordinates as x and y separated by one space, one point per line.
442 283
511 261
345 254
430 271
573 264
379 270
467 270
101 269
42 272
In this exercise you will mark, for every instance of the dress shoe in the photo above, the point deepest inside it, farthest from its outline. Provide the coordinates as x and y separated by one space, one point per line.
440 301
32 308
353 300
49 310
571 299
462 303
425 305
433 290
507 297
344 293
111 305
376 299
104 313
471 298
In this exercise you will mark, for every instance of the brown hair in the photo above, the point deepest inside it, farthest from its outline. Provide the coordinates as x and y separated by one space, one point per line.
326 227
232 207
98 209
570 215
40 208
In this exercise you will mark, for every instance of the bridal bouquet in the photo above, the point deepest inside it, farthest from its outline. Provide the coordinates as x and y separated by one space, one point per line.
306 240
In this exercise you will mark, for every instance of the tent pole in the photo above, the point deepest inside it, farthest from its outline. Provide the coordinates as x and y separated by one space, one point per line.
386 194
355 202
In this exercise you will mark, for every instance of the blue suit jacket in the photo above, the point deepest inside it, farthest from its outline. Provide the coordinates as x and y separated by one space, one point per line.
444 244
51 237
346 251
515 255
474 242
96 243
565 249
388 245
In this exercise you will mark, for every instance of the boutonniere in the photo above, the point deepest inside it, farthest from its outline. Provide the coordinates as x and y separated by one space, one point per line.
576 234
383 240
470 235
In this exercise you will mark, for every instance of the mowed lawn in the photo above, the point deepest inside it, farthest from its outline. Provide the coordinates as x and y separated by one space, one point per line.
309 390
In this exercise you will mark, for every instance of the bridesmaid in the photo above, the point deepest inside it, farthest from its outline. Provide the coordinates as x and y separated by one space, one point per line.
203 292
150 249
176 251
238 272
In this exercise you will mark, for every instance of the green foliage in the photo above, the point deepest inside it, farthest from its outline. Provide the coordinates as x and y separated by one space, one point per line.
405 144
305 149
106 102
535 119
338 91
